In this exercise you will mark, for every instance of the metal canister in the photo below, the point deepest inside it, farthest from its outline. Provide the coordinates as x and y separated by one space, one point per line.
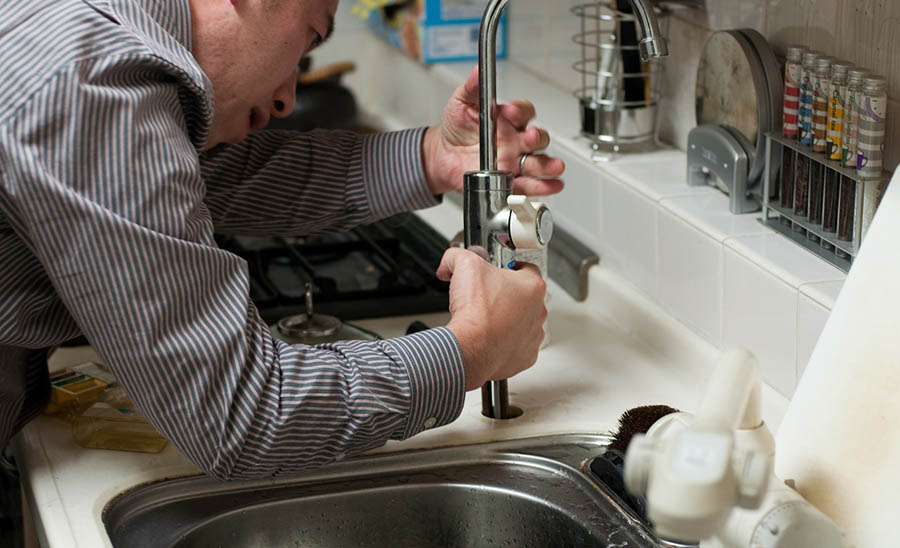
872 117
793 74
807 90
851 116
836 100
821 88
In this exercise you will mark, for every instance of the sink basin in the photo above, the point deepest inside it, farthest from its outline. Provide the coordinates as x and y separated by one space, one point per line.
521 493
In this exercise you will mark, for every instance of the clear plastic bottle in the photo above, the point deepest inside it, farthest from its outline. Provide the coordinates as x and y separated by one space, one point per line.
821 90
837 95
793 75
807 91
539 258
851 116
872 119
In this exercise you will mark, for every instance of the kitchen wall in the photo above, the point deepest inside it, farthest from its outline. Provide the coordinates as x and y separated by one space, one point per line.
866 32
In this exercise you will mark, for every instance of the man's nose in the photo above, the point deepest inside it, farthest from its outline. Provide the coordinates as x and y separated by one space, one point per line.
284 96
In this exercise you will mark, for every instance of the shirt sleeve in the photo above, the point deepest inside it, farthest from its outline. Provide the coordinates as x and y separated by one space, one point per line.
290 182
104 186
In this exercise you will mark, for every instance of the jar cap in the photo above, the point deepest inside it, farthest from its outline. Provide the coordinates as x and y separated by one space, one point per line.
823 64
795 53
874 83
857 74
840 69
810 57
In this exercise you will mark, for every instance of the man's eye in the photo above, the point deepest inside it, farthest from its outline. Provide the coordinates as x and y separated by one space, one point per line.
317 39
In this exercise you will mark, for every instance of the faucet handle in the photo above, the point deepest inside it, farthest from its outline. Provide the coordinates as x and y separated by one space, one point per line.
530 223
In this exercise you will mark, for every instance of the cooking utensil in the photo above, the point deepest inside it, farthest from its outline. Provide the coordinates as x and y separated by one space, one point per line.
311 328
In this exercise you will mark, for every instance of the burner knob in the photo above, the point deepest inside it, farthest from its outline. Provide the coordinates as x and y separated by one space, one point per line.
530 223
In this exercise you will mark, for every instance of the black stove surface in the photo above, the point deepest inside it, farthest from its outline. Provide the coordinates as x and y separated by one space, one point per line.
383 269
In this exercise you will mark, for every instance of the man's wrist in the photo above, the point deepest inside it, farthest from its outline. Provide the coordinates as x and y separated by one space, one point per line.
430 160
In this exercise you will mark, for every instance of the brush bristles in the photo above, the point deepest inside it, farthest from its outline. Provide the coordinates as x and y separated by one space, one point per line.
637 421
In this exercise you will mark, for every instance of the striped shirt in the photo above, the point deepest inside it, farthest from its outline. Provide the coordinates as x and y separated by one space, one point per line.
107 215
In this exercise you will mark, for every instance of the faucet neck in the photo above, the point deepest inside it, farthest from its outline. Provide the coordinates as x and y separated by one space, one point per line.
487 82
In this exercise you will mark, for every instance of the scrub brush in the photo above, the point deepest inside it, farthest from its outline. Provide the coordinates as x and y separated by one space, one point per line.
609 467
637 421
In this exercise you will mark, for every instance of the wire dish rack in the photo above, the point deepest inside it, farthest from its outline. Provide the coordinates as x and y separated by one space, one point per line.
619 94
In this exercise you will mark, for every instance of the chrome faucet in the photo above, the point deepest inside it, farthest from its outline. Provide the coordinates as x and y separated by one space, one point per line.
494 218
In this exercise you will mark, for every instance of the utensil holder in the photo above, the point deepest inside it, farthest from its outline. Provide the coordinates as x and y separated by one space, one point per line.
610 116
856 201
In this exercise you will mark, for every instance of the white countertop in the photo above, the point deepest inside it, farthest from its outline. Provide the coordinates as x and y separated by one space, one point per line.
615 351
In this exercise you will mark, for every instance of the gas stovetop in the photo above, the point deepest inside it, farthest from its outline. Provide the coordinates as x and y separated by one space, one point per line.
383 269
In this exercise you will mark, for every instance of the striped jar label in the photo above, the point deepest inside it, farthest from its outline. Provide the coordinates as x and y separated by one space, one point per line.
820 115
849 151
870 147
835 129
792 76
805 113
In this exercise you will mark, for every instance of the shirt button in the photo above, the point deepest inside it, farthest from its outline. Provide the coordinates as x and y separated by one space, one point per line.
430 422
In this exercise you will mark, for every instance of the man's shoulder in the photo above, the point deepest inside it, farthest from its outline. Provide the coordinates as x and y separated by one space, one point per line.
42 39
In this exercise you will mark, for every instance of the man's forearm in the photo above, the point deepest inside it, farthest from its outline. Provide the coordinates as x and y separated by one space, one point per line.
284 182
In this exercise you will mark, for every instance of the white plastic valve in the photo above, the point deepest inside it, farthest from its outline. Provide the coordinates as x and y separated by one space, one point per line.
530 223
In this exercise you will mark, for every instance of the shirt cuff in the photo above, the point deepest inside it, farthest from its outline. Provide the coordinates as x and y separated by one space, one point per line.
394 174
437 378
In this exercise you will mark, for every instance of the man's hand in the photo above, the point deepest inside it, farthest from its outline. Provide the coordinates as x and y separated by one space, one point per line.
497 315
451 149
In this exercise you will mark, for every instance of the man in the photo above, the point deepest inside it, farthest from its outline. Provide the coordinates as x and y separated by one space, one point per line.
125 134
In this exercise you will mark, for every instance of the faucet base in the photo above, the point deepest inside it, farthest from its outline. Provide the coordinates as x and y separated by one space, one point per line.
495 401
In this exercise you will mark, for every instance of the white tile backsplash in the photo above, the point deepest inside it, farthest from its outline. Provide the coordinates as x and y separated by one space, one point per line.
581 199
690 284
785 259
824 293
709 213
629 229
811 318
657 175
760 314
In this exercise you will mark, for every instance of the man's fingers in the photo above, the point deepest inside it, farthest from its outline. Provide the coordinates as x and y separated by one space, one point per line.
536 138
448 263
529 267
518 112
468 92
537 187
541 166
453 257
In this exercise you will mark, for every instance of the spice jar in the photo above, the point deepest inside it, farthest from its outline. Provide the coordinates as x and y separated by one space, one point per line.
807 90
837 96
793 74
851 116
821 90
872 115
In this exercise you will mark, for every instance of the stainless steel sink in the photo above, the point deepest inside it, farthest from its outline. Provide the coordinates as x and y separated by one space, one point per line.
517 494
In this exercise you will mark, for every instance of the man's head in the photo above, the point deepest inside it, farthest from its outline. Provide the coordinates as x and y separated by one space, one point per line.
250 49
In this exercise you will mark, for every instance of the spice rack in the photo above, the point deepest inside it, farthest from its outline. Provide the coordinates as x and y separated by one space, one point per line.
830 222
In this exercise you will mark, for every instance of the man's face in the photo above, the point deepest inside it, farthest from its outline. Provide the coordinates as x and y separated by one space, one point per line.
250 49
